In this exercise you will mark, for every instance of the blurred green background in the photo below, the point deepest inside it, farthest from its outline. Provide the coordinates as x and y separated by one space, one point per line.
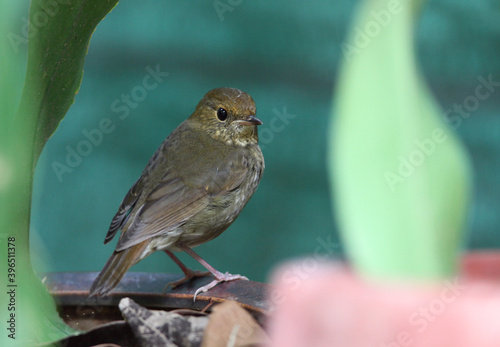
286 55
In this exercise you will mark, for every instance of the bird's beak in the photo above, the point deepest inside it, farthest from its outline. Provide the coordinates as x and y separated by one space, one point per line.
250 120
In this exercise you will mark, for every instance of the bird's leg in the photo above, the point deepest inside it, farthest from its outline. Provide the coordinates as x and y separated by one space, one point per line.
219 276
188 273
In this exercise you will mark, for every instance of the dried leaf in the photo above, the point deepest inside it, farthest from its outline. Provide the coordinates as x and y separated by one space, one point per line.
232 326
162 328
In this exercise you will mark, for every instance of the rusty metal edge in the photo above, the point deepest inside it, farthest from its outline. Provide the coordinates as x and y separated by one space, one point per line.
71 289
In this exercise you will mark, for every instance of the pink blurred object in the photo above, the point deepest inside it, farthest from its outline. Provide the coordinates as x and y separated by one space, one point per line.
329 306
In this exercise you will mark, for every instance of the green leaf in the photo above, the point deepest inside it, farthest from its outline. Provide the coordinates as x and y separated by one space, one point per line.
12 60
59 34
400 177
58 39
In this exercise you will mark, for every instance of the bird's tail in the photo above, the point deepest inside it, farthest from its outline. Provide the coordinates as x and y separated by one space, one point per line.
115 269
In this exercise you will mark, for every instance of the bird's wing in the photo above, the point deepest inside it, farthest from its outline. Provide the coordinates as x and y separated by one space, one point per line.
128 203
126 206
174 200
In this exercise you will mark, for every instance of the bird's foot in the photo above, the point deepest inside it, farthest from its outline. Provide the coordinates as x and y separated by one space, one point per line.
190 274
220 277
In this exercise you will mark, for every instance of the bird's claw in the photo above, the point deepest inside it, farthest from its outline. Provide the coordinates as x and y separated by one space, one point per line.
221 278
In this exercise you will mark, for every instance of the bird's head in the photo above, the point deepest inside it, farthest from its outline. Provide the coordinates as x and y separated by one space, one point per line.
227 115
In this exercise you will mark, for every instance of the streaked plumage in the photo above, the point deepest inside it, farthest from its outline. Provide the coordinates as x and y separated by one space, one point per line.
193 188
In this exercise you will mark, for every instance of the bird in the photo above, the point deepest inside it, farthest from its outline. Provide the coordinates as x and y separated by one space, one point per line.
192 189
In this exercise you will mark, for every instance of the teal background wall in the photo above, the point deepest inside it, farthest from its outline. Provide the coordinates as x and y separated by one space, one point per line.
286 55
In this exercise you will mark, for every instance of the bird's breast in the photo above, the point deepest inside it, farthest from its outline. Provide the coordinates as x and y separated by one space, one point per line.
224 207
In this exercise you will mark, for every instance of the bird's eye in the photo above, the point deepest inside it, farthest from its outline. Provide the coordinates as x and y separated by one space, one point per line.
221 114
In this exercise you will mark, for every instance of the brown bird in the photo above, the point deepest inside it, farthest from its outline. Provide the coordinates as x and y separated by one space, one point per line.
193 188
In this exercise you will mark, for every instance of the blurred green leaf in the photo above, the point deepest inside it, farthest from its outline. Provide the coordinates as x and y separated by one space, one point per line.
12 60
58 39
400 176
